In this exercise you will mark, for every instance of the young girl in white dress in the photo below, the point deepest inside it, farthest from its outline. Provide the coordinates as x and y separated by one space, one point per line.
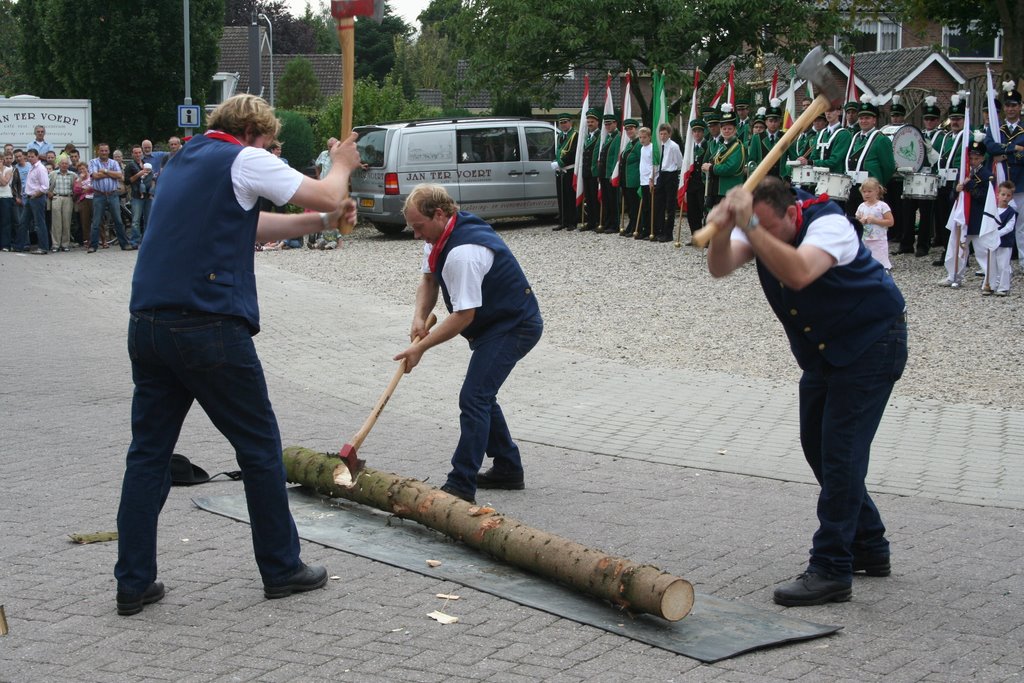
876 217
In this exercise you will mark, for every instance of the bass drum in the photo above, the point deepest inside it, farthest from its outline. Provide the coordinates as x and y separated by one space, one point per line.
908 146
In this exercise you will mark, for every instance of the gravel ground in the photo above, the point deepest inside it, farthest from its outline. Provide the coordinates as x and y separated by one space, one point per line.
653 304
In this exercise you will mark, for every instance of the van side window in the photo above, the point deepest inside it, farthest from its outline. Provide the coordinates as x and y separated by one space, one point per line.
488 145
540 144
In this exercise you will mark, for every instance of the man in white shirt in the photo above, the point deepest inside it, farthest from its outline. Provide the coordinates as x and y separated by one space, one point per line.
665 189
491 304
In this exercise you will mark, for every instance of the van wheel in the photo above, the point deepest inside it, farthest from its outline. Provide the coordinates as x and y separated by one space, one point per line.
389 228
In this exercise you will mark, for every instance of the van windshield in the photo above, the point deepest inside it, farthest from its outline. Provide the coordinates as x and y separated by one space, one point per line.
371 145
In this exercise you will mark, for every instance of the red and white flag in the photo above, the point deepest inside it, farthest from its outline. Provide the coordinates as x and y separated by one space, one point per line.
684 177
989 233
609 110
773 94
718 96
851 85
627 113
732 89
577 169
956 249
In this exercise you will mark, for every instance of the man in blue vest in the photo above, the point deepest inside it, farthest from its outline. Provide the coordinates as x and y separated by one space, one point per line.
492 305
846 323
193 314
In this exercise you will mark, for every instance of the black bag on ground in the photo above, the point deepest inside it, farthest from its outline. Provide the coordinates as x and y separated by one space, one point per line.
185 473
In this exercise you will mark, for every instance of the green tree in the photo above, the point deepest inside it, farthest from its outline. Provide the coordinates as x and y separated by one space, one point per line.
134 93
297 144
510 105
430 62
526 46
372 103
375 44
298 86
292 36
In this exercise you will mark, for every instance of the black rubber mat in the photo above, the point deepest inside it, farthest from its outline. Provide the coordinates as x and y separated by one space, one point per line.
716 629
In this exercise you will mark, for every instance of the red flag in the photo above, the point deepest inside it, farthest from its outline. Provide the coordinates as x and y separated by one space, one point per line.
851 85
718 95
609 110
774 94
627 113
684 178
577 169
732 90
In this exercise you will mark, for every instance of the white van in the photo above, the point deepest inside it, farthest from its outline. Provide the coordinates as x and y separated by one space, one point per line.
492 167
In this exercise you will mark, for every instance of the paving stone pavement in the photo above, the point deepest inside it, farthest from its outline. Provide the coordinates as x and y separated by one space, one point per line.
716 492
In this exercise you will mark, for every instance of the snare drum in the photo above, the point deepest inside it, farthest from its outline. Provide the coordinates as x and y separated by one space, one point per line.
804 175
908 146
836 185
920 186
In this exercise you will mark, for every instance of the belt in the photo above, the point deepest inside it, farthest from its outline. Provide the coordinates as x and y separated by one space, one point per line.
56 194
104 193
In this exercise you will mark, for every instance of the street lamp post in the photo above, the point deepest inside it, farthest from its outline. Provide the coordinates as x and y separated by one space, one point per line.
265 18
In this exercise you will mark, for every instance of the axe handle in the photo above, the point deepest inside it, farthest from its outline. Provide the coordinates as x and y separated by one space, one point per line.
371 420
347 42
819 105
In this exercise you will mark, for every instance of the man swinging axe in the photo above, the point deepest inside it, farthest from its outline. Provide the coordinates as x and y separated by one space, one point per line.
846 323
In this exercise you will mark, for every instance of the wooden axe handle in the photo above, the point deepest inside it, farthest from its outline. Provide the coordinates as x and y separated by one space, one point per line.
819 105
360 436
347 42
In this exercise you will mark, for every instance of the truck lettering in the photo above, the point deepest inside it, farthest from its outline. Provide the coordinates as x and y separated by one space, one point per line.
24 116
415 176
58 118
475 173
440 175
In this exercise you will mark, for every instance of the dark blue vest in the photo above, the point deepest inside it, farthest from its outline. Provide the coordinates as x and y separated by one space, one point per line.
507 296
839 315
198 252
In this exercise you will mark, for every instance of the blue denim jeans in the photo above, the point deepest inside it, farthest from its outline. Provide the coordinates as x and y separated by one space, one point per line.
112 203
34 212
140 212
6 222
484 430
840 409
179 357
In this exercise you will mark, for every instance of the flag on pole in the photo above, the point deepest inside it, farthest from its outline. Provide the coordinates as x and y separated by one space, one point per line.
609 110
577 170
774 92
684 177
732 90
810 91
956 249
988 236
627 113
718 96
659 115
789 115
851 85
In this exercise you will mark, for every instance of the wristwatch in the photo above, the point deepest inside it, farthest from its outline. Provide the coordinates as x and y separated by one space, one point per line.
752 225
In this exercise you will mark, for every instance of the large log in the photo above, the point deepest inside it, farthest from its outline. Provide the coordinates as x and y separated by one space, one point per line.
635 587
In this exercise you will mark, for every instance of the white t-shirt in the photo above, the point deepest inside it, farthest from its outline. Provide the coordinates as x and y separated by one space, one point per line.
832 233
873 213
463 273
257 173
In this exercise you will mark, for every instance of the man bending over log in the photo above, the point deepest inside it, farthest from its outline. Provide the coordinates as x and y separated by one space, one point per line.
493 306
193 314
846 323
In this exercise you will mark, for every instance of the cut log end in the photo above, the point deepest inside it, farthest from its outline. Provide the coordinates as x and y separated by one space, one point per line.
677 601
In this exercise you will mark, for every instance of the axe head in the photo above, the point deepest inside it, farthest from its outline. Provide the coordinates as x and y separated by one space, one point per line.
349 9
813 69
352 461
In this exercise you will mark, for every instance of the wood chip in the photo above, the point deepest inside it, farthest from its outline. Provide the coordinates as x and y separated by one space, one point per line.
446 596
433 563
478 511
3 622
443 618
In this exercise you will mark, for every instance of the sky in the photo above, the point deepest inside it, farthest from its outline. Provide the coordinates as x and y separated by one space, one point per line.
407 9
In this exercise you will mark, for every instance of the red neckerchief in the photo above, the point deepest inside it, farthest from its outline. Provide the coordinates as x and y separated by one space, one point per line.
801 203
221 135
435 250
